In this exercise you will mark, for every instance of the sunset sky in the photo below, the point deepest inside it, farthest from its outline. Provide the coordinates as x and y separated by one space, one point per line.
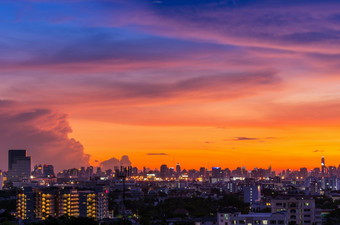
204 83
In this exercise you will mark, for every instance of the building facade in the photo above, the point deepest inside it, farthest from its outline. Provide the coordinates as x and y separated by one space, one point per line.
41 203
279 218
300 210
93 204
1 180
19 166
26 204
252 193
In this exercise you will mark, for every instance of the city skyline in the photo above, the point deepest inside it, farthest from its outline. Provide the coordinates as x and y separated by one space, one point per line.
23 168
220 83
93 194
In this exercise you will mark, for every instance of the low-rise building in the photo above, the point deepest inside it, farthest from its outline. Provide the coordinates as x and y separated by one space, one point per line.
279 218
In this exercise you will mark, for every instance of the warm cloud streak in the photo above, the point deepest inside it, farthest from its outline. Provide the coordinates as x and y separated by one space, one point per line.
162 154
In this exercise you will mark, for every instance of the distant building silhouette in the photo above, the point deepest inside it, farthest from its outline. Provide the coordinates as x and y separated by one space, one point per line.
323 167
48 171
178 169
164 171
1 180
19 166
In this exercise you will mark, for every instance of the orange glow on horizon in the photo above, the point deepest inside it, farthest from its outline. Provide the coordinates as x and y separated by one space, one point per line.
194 147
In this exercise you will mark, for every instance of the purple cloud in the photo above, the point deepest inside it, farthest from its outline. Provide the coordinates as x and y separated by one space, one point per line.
44 133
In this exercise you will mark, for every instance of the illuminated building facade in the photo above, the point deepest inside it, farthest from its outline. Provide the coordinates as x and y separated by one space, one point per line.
102 203
87 204
25 204
45 203
41 203
68 202
93 204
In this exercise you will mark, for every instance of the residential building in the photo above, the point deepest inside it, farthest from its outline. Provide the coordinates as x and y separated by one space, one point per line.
278 218
300 210
252 193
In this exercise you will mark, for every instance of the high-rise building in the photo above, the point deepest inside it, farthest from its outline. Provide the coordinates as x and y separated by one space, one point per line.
216 172
68 203
1 180
178 169
171 171
303 172
134 171
93 204
89 171
45 203
202 171
37 171
300 210
252 193
25 204
19 166
316 172
164 171
88 204
323 167
41 203
82 173
48 171
332 171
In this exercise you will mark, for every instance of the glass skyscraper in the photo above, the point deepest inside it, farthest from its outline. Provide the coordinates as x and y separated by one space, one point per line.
19 166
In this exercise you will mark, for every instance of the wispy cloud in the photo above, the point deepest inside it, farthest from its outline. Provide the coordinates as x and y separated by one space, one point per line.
251 139
245 139
318 150
155 154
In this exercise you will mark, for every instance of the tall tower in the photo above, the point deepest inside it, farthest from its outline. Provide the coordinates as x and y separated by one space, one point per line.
323 166
164 171
19 166
178 169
